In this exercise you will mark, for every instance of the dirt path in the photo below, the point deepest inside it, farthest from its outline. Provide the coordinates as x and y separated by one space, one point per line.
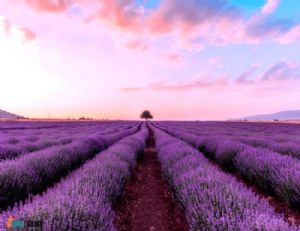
146 203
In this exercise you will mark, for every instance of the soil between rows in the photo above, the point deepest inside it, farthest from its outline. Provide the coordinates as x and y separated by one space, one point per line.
146 203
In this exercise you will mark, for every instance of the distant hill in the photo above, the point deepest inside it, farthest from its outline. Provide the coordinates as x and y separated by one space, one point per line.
8 115
283 115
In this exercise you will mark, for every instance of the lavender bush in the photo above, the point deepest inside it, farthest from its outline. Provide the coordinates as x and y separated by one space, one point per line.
226 152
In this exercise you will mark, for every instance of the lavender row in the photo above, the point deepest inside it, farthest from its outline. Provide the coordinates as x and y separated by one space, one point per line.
16 136
24 125
11 151
271 171
64 128
282 138
269 132
33 173
286 148
275 173
34 143
84 200
289 148
211 199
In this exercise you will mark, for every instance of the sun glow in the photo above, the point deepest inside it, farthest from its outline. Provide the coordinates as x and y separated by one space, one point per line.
21 75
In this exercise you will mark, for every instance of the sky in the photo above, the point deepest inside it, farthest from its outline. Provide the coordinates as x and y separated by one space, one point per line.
182 60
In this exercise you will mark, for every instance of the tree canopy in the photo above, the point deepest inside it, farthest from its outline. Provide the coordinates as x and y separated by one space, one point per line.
146 114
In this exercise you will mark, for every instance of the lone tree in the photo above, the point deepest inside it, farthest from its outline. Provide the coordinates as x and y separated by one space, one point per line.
146 115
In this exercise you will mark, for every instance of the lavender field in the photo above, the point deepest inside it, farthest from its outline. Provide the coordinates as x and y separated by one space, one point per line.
222 175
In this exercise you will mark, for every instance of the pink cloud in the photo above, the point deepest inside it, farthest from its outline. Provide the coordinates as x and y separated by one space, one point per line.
215 61
49 5
25 34
186 15
270 6
243 78
5 25
189 44
282 70
28 35
121 14
139 45
183 86
291 36
172 57
260 28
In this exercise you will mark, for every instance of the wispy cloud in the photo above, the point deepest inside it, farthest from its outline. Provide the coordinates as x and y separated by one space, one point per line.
182 86
4 25
243 78
172 57
291 36
282 70
49 5
270 6
120 14
280 77
22 34
273 77
137 44
276 73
